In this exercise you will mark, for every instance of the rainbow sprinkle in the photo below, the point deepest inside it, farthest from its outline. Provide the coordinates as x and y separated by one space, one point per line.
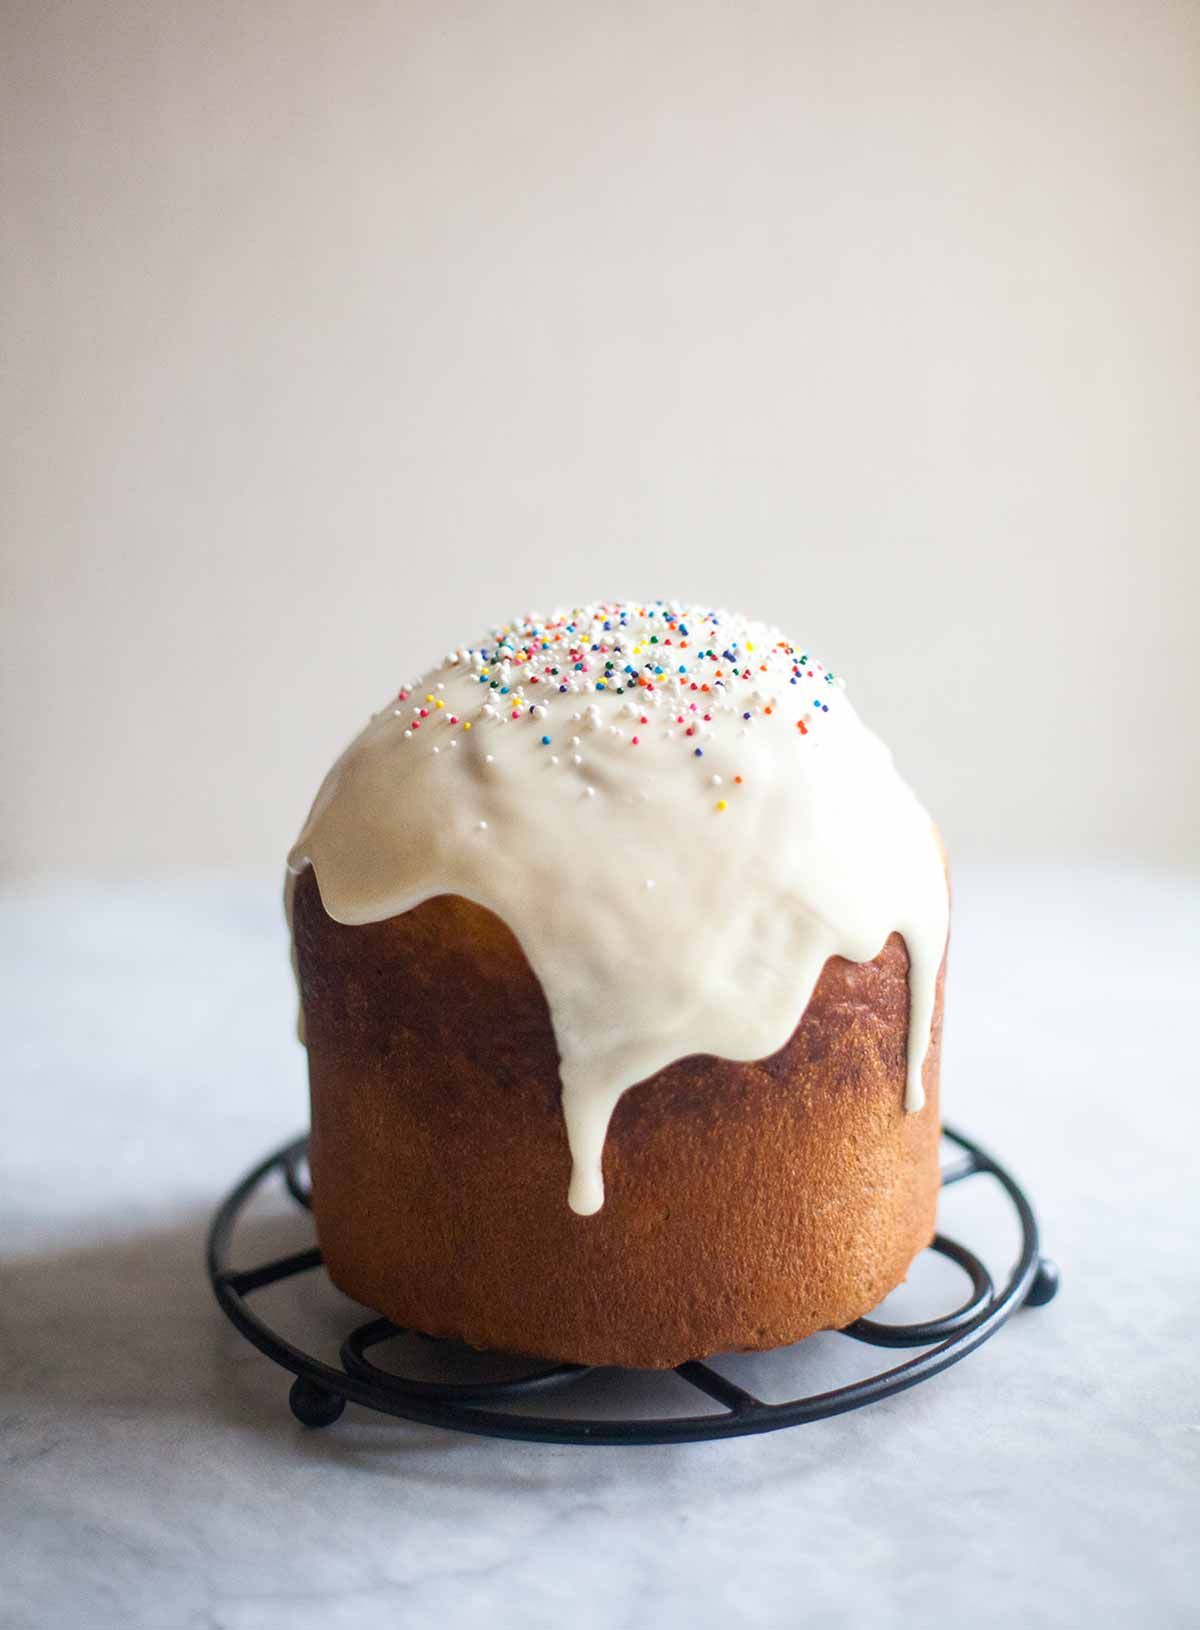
600 655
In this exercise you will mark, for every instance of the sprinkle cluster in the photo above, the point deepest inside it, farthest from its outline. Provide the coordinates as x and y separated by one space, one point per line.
676 670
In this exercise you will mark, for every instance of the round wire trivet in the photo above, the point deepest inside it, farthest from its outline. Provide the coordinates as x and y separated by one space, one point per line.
320 1391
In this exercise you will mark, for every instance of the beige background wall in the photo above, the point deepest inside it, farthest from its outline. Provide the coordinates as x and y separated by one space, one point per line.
336 332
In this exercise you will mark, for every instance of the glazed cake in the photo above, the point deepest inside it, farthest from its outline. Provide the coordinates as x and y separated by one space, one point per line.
620 944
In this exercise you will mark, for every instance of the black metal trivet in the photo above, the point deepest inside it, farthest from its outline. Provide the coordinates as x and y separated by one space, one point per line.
320 1391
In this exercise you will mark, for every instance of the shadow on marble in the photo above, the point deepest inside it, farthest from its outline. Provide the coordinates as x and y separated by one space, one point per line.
128 1325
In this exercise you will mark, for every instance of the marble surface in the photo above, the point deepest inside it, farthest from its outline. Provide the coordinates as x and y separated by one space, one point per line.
153 1476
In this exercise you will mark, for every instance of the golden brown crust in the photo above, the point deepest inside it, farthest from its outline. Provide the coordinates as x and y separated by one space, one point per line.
746 1205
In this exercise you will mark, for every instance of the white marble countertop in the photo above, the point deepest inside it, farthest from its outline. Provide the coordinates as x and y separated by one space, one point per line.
153 1476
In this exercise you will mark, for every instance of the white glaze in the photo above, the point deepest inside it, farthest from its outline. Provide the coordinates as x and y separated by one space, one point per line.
659 924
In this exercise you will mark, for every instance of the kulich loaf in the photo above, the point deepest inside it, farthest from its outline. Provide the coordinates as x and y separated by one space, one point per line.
620 945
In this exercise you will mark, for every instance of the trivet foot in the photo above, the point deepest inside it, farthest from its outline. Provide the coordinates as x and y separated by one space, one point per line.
313 1405
1045 1283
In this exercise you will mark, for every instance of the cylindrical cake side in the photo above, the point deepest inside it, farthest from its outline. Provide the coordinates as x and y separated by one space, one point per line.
746 1204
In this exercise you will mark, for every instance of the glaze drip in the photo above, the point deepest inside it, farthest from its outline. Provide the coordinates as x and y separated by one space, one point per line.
676 812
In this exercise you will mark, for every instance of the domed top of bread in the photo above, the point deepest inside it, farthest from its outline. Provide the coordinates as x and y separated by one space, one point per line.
675 810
